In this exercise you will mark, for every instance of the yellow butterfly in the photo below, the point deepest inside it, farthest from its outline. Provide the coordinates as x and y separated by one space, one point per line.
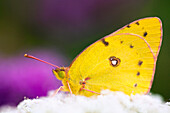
122 61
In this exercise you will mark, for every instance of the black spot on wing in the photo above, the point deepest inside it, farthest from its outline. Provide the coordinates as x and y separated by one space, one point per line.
137 23
138 73
135 85
131 46
121 42
128 26
140 62
104 42
144 34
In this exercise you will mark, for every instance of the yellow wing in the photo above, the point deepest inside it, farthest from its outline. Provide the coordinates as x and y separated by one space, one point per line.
121 62
149 28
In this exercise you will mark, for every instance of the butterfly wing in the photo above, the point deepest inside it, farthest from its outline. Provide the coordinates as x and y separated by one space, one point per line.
135 71
148 28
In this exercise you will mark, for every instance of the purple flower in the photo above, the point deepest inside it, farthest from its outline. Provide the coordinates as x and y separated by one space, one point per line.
22 77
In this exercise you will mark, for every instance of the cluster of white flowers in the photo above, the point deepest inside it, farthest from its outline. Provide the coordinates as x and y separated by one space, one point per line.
8 109
108 102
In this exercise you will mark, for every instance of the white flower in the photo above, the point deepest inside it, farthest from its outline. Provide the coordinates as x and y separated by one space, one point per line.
108 102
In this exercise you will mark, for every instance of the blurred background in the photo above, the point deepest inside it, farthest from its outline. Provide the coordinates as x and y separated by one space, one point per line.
57 31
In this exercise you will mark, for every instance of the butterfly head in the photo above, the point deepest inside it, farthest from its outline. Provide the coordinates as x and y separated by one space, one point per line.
60 73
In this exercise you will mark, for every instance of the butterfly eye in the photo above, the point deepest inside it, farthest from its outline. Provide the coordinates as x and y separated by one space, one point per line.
114 61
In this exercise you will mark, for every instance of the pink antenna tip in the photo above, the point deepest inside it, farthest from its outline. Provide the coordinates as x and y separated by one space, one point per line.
30 56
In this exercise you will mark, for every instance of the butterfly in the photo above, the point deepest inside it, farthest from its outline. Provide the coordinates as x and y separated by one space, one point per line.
123 61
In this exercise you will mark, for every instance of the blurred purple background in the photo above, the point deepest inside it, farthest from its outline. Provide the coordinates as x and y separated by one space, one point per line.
57 31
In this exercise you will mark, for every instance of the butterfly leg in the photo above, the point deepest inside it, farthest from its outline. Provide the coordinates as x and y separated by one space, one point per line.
56 91
69 88
90 91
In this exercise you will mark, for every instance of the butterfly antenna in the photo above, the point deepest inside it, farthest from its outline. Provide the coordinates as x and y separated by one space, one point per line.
30 56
